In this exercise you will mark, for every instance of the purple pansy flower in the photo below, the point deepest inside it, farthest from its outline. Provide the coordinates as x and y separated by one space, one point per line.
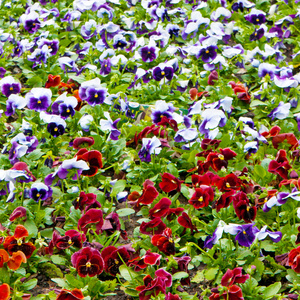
275 236
119 41
281 111
9 86
110 125
280 199
30 141
212 118
105 67
67 64
162 108
92 92
38 99
16 151
245 234
207 54
161 72
150 52
186 135
173 30
56 125
89 29
31 22
266 68
150 146
241 4
217 234
39 55
40 192
256 17
52 45
13 102
64 106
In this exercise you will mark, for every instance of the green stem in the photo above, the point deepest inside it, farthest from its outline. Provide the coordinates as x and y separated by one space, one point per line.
207 254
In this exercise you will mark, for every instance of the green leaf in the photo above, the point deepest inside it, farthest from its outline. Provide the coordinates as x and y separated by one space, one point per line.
123 212
185 191
126 273
260 171
61 282
199 277
31 227
35 154
58 260
225 141
75 282
272 290
180 275
211 274
118 187
30 284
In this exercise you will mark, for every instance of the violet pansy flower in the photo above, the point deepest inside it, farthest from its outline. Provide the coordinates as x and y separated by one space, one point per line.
85 122
9 86
40 192
162 108
14 102
244 234
150 52
56 125
212 118
150 146
110 125
186 135
64 105
38 99
31 22
161 72
16 152
217 234
256 16
207 54
89 29
266 68
275 236
281 111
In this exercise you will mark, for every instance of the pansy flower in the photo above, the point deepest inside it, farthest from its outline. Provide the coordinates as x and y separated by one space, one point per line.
280 165
242 208
185 221
9 86
111 126
160 209
170 183
164 242
256 16
155 226
207 54
281 111
88 262
202 196
162 71
17 242
19 212
92 216
294 259
75 294
244 234
53 80
31 21
38 99
72 238
86 201
93 158
149 147
83 142
150 52
40 192
4 291
13 102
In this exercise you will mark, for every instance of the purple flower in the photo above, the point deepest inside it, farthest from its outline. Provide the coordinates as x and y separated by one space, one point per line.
92 92
52 45
162 108
212 118
64 106
257 34
208 54
163 72
9 86
111 126
13 102
105 67
245 234
39 55
275 236
150 52
266 68
16 151
241 4
2 72
173 30
280 199
31 22
38 99
67 64
30 141
40 192
150 146
256 17
186 135
119 41
217 234
56 125
89 29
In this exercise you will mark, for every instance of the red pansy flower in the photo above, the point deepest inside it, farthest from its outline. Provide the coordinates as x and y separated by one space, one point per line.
16 260
202 196
4 291
53 80
94 160
92 216
208 178
75 294
228 183
148 259
86 201
72 238
220 160
294 259
151 287
166 121
241 91
280 165
112 224
210 144
113 258
19 212
164 242
82 142
161 208
233 292
182 263
223 201
17 242
170 183
195 95
170 296
242 208
233 276
88 262
185 221
21 166
289 137
4 257
172 212
273 132
212 77
155 226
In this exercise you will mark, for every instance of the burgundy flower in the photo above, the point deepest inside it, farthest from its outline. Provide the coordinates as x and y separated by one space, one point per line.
202 196
148 259
93 159
83 142
164 242
242 208
112 224
207 179
241 91
167 121
19 212
17 242
88 262
170 183
160 209
272 133
71 238
155 226
228 183
233 292
185 221
170 296
294 259
151 287
233 276
212 77
75 294
208 143
114 257
220 160
280 165
290 138
172 212
86 201
92 216
223 201
183 263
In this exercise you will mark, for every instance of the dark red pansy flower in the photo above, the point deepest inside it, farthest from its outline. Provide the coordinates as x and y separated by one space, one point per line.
151 287
195 95
164 242
53 80
217 161
223 201
19 212
17 242
242 208
113 258
294 259
172 212
233 292
182 266
185 221
234 276
170 296
208 178
155 130
202 196
166 121
273 132
290 138
161 208
86 201
112 224
94 160
141 263
72 238
210 144
228 183
280 165
88 262
82 142
202 167
155 226
212 77
170 183
92 216
75 294
4 291
241 91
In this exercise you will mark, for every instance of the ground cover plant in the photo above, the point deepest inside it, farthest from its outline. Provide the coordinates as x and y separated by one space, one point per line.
149 149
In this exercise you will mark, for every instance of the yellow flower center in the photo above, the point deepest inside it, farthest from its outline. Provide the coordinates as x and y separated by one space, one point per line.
120 43
96 96
38 195
255 33
55 129
149 52
49 47
11 88
68 110
221 156
257 20
163 73
207 51
19 241
70 242
244 232
200 199
227 184
116 262
105 66
88 264
77 199
39 102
